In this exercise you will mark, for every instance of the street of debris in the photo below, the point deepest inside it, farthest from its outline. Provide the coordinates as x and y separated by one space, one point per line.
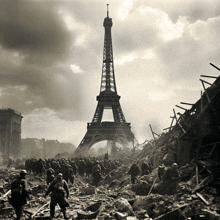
182 179
116 198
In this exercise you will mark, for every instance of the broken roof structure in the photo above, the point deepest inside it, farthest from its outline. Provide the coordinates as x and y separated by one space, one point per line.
196 133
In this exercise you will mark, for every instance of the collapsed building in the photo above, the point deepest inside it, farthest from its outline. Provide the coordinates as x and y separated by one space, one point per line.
10 133
41 148
195 134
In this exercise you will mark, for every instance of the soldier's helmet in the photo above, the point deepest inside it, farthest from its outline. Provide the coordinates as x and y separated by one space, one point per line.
174 165
59 175
23 172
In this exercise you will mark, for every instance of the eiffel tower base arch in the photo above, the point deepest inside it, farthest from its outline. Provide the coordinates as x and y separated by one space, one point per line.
112 131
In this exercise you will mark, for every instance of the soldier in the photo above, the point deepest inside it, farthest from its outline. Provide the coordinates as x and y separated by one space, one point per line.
81 167
71 175
19 194
50 175
170 179
74 167
134 171
145 168
65 172
97 173
60 190
161 171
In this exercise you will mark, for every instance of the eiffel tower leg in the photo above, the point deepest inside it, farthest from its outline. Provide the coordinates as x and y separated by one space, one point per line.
96 132
84 146
118 114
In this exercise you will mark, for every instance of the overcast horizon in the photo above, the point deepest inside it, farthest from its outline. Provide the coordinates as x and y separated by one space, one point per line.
51 61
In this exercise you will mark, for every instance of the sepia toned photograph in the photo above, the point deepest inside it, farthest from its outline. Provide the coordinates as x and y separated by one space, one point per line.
110 109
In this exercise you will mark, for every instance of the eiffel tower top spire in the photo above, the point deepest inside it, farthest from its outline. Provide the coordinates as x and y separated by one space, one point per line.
107 10
108 84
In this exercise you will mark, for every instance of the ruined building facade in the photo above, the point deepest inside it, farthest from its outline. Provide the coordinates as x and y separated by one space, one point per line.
41 148
10 133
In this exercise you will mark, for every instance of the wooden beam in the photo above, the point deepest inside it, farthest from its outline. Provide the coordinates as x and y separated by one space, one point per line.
178 121
212 150
206 92
214 66
197 174
209 76
6 194
152 186
40 209
185 103
151 131
210 144
156 134
171 125
168 128
206 82
181 107
201 102
202 198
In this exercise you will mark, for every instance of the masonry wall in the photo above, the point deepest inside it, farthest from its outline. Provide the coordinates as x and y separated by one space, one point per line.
10 133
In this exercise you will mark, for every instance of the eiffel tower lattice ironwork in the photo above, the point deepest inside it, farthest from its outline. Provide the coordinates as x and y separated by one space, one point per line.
119 130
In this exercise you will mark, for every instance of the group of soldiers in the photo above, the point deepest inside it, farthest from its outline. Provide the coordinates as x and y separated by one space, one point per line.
85 167
168 176
58 173
20 194
141 169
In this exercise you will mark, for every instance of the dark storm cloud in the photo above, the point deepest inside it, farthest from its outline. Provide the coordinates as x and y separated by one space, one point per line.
35 48
41 88
34 29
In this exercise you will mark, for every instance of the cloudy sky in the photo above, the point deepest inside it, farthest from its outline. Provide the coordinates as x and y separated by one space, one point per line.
51 61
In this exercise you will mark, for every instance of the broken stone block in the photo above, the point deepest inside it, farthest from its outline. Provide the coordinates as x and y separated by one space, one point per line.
176 214
88 190
212 215
127 194
141 214
139 202
141 188
120 216
123 205
6 211
106 216
131 218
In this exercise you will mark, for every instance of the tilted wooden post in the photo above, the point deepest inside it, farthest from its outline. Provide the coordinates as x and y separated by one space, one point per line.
152 131
201 102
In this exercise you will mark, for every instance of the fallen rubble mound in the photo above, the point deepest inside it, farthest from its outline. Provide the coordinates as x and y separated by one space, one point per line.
117 198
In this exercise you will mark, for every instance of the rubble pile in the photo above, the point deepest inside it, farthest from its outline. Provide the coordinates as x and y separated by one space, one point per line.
117 198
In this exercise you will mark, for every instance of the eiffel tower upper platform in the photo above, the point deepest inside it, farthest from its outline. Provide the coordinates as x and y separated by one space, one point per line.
119 130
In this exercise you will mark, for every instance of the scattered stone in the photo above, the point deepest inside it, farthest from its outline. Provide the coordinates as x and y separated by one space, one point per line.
124 206
120 216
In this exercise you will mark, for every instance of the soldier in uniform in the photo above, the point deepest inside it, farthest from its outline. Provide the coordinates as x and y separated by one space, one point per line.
145 168
19 194
161 171
170 179
60 191
134 171
97 173
50 175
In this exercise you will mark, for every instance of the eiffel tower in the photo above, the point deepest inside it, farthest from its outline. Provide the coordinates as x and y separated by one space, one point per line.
119 130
